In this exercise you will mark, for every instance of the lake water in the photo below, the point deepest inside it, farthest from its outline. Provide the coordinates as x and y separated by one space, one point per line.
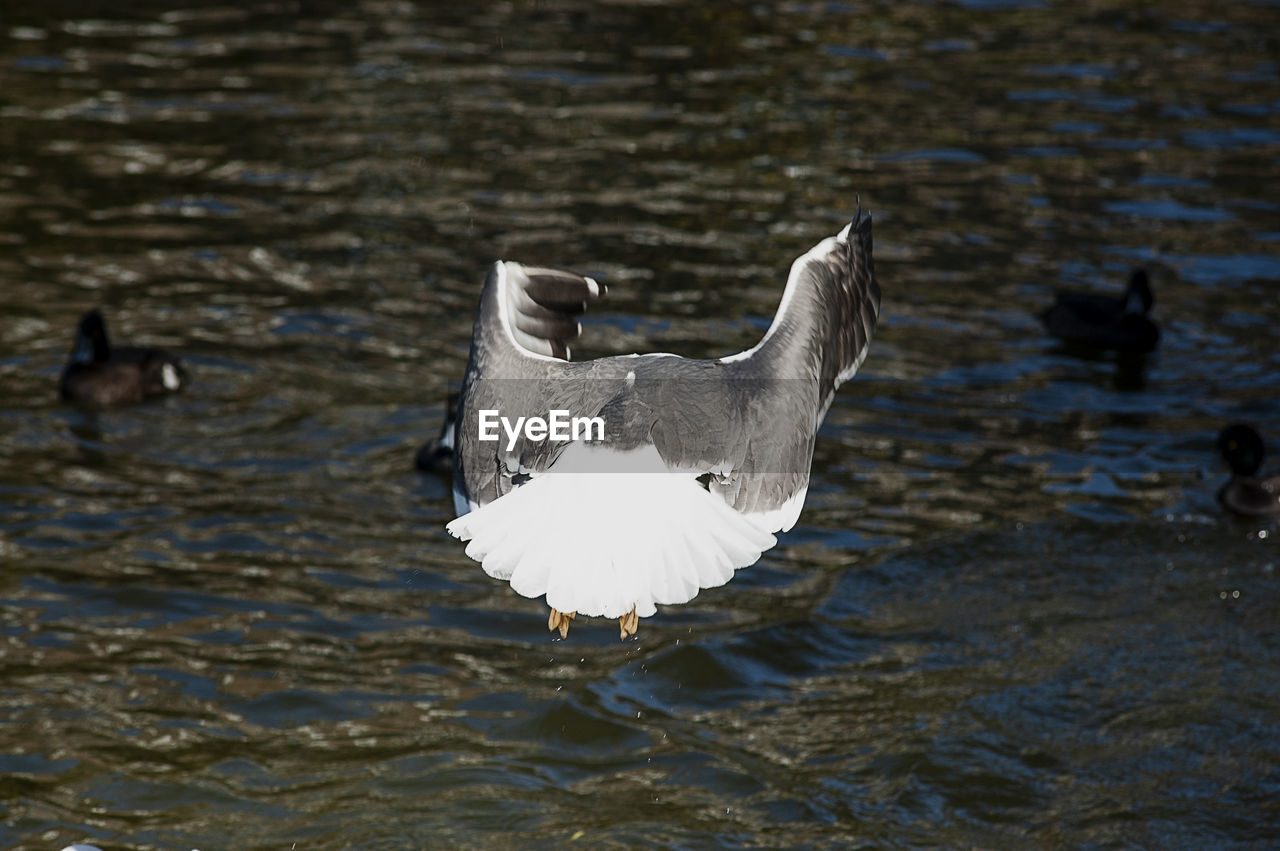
1012 612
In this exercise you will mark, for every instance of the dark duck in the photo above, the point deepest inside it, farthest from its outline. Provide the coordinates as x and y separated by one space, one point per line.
436 455
100 375
1246 492
1117 323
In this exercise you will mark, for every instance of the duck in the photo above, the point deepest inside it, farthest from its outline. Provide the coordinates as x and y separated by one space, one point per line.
1116 323
436 455
1246 492
101 375
683 469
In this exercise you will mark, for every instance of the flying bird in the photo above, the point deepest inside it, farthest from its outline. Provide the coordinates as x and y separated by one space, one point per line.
695 464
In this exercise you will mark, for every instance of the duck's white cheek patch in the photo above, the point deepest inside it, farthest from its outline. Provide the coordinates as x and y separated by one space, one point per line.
169 376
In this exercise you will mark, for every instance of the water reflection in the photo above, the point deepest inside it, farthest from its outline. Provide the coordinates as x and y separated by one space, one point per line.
1012 609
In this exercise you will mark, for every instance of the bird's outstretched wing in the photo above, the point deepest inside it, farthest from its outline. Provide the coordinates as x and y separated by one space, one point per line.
819 338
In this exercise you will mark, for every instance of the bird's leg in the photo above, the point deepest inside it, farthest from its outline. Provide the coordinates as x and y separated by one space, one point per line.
628 624
560 620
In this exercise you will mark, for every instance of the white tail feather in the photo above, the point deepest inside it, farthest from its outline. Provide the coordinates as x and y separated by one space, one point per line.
600 544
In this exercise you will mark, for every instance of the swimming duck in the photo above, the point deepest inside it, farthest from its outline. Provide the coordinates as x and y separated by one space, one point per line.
1245 493
684 468
436 455
1097 321
101 375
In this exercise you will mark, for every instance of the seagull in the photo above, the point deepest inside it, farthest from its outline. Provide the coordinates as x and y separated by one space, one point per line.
1106 322
101 375
684 469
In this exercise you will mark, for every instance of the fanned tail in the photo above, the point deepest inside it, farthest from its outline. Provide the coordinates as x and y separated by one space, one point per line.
600 545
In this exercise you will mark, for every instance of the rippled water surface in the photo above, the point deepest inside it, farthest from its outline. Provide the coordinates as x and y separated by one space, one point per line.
1012 612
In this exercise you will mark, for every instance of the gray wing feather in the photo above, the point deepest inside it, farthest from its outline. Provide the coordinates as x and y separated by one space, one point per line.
545 305
817 341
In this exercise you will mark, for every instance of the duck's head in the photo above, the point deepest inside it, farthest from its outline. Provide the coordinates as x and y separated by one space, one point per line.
1242 448
91 344
1139 298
